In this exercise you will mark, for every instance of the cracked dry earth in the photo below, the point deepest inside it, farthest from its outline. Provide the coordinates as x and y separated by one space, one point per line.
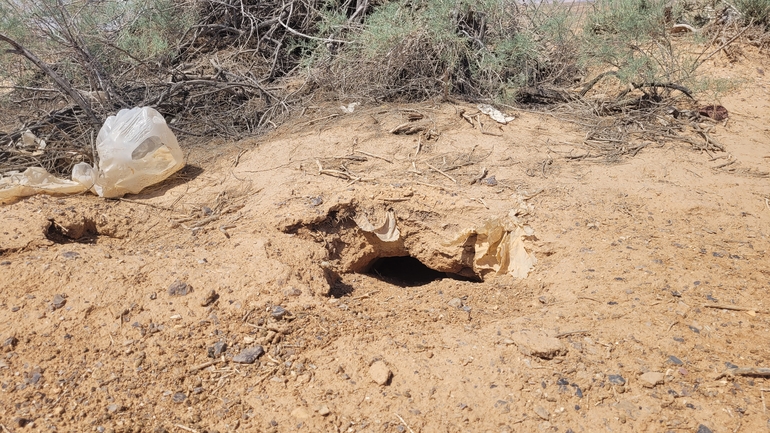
241 296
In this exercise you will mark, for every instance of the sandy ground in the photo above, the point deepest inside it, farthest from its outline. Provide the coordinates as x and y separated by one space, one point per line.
113 313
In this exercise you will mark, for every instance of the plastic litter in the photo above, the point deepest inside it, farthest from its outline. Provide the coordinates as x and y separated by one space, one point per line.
136 149
499 247
386 232
495 114
35 180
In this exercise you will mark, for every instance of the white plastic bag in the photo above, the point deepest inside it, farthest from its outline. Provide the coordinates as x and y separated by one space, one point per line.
136 149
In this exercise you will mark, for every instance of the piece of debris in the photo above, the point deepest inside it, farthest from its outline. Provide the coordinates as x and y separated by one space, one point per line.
179 288
249 355
651 379
716 112
495 114
386 232
380 373
533 343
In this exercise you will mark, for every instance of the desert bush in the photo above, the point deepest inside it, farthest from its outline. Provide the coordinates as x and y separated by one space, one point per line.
755 11
629 39
417 49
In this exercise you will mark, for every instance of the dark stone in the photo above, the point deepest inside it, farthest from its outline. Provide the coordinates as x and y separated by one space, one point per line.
278 312
249 355
217 349
11 342
179 397
674 360
703 429
730 365
616 379
70 255
59 301
489 181
179 288
694 329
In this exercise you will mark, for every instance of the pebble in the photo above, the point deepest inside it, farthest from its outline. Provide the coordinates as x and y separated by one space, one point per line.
324 410
489 181
674 360
249 355
455 303
11 342
179 288
651 379
70 255
217 349
113 408
542 412
59 301
58 410
533 343
278 312
703 429
300 413
210 298
616 379
5 263
179 397
380 373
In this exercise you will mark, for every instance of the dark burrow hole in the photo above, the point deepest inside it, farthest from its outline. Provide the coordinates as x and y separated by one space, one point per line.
61 235
404 271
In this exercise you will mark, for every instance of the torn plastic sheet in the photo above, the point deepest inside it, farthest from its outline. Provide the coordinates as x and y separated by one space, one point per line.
386 232
495 114
499 248
36 180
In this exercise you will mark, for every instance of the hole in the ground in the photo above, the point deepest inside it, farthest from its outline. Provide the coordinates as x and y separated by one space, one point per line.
404 271
84 232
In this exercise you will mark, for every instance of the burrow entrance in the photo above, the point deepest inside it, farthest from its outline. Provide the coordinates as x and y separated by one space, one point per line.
404 271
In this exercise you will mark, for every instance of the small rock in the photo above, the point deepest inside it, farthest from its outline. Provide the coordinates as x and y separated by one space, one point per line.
300 413
542 413
324 410
217 349
316 201
703 429
58 410
114 408
11 342
210 298
153 296
489 181
380 373
249 355
59 301
5 263
179 288
278 312
70 255
179 397
455 302
651 379
616 379
22 422
533 343
674 360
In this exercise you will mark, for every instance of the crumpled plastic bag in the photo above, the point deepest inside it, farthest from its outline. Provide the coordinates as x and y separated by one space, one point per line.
499 248
136 149
495 114
386 232
35 180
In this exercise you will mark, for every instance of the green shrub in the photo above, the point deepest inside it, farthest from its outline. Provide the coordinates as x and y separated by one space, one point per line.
755 11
